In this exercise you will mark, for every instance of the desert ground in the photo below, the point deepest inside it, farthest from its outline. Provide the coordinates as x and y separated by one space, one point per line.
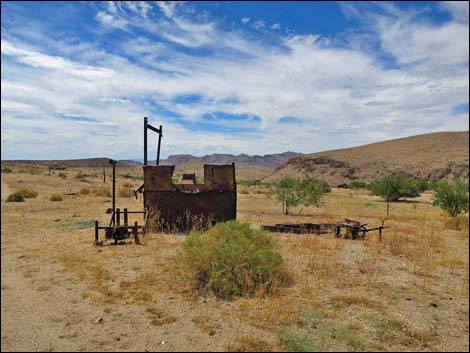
59 292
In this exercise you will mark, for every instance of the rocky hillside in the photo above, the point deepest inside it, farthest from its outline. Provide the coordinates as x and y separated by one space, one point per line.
442 155
270 161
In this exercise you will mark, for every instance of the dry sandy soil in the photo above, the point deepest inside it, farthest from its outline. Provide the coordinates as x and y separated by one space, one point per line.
59 292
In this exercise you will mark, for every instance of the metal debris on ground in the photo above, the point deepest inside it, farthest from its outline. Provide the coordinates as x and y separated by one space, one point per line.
348 229
301 228
355 230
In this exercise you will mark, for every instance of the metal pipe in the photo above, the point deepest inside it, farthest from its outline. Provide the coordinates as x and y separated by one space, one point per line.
118 216
96 232
113 162
145 140
125 216
159 142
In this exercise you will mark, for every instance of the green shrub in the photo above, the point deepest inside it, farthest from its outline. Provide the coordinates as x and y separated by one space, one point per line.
452 198
233 260
27 193
296 340
82 177
6 170
15 198
248 182
423 185
356 184
56 197
395 187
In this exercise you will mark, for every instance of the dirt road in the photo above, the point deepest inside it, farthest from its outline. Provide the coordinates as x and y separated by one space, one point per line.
5 191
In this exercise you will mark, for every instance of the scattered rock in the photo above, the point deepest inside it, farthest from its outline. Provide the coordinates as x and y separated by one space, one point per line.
434 305
57 220
99 320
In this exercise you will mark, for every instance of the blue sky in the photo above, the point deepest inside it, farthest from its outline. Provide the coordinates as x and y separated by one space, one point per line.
228 77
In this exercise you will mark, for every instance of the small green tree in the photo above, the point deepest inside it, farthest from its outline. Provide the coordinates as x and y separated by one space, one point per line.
311 192
287 191
395 187
452 198
307 192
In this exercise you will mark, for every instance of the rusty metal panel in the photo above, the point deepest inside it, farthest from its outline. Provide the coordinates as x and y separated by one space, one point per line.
158 178
219 177
171 205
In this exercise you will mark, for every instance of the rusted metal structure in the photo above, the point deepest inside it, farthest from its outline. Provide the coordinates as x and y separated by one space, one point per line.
173 206
117 231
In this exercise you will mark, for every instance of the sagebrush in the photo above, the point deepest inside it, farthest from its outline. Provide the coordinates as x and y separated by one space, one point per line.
232 260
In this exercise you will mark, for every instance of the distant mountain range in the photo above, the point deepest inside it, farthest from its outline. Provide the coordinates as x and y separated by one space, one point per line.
271 161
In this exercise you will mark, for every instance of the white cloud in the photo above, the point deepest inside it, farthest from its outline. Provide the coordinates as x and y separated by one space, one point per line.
276 26
259 24
168 7
334 90
245 20
108 20
458 9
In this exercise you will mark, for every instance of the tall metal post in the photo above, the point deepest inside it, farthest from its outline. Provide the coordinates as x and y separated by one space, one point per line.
113 162
96 232
145 140
159 142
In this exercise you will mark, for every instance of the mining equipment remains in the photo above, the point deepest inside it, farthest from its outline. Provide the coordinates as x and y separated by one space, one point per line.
348 229
172 206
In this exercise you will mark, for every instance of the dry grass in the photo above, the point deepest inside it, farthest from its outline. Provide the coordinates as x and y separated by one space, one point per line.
345 294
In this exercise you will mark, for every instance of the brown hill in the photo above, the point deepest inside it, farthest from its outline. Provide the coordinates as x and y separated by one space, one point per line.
442 155
71 163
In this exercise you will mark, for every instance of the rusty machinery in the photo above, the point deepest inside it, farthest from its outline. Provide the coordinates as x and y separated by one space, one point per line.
168 203
117 231
344 229
355 230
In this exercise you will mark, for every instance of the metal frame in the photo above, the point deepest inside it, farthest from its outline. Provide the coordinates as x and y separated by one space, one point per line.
115 230
159 131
